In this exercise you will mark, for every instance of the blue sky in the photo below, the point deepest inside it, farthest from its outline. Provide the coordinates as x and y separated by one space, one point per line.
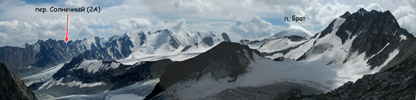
241 19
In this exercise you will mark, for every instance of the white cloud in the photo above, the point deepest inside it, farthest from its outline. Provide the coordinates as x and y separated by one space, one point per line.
199 6
85 31
175 9
132 23
178 25
374 6
20 32
201 15
76 3
411 3
319 14
4 37
254 28
406 17
297 27
16 31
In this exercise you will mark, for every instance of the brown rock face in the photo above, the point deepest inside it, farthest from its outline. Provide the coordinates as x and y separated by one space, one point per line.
12 88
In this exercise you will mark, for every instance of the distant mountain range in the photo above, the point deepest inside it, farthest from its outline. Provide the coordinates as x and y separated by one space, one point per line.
41 55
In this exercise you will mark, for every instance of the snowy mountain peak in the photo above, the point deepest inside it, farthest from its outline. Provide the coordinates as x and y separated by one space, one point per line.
294 30
225 37
362 11
169 42
375 35
346 14
372 37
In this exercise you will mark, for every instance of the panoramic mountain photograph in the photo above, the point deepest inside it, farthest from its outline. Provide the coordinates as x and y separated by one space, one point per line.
207 50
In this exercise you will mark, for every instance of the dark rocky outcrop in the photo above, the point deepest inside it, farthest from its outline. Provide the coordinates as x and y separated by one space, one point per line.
12 88
376 33
224 60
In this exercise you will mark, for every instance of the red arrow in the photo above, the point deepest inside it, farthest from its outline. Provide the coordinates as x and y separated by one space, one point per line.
66 36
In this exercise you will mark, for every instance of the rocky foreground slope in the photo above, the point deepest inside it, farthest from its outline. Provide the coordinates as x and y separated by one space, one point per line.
395 83
12 88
